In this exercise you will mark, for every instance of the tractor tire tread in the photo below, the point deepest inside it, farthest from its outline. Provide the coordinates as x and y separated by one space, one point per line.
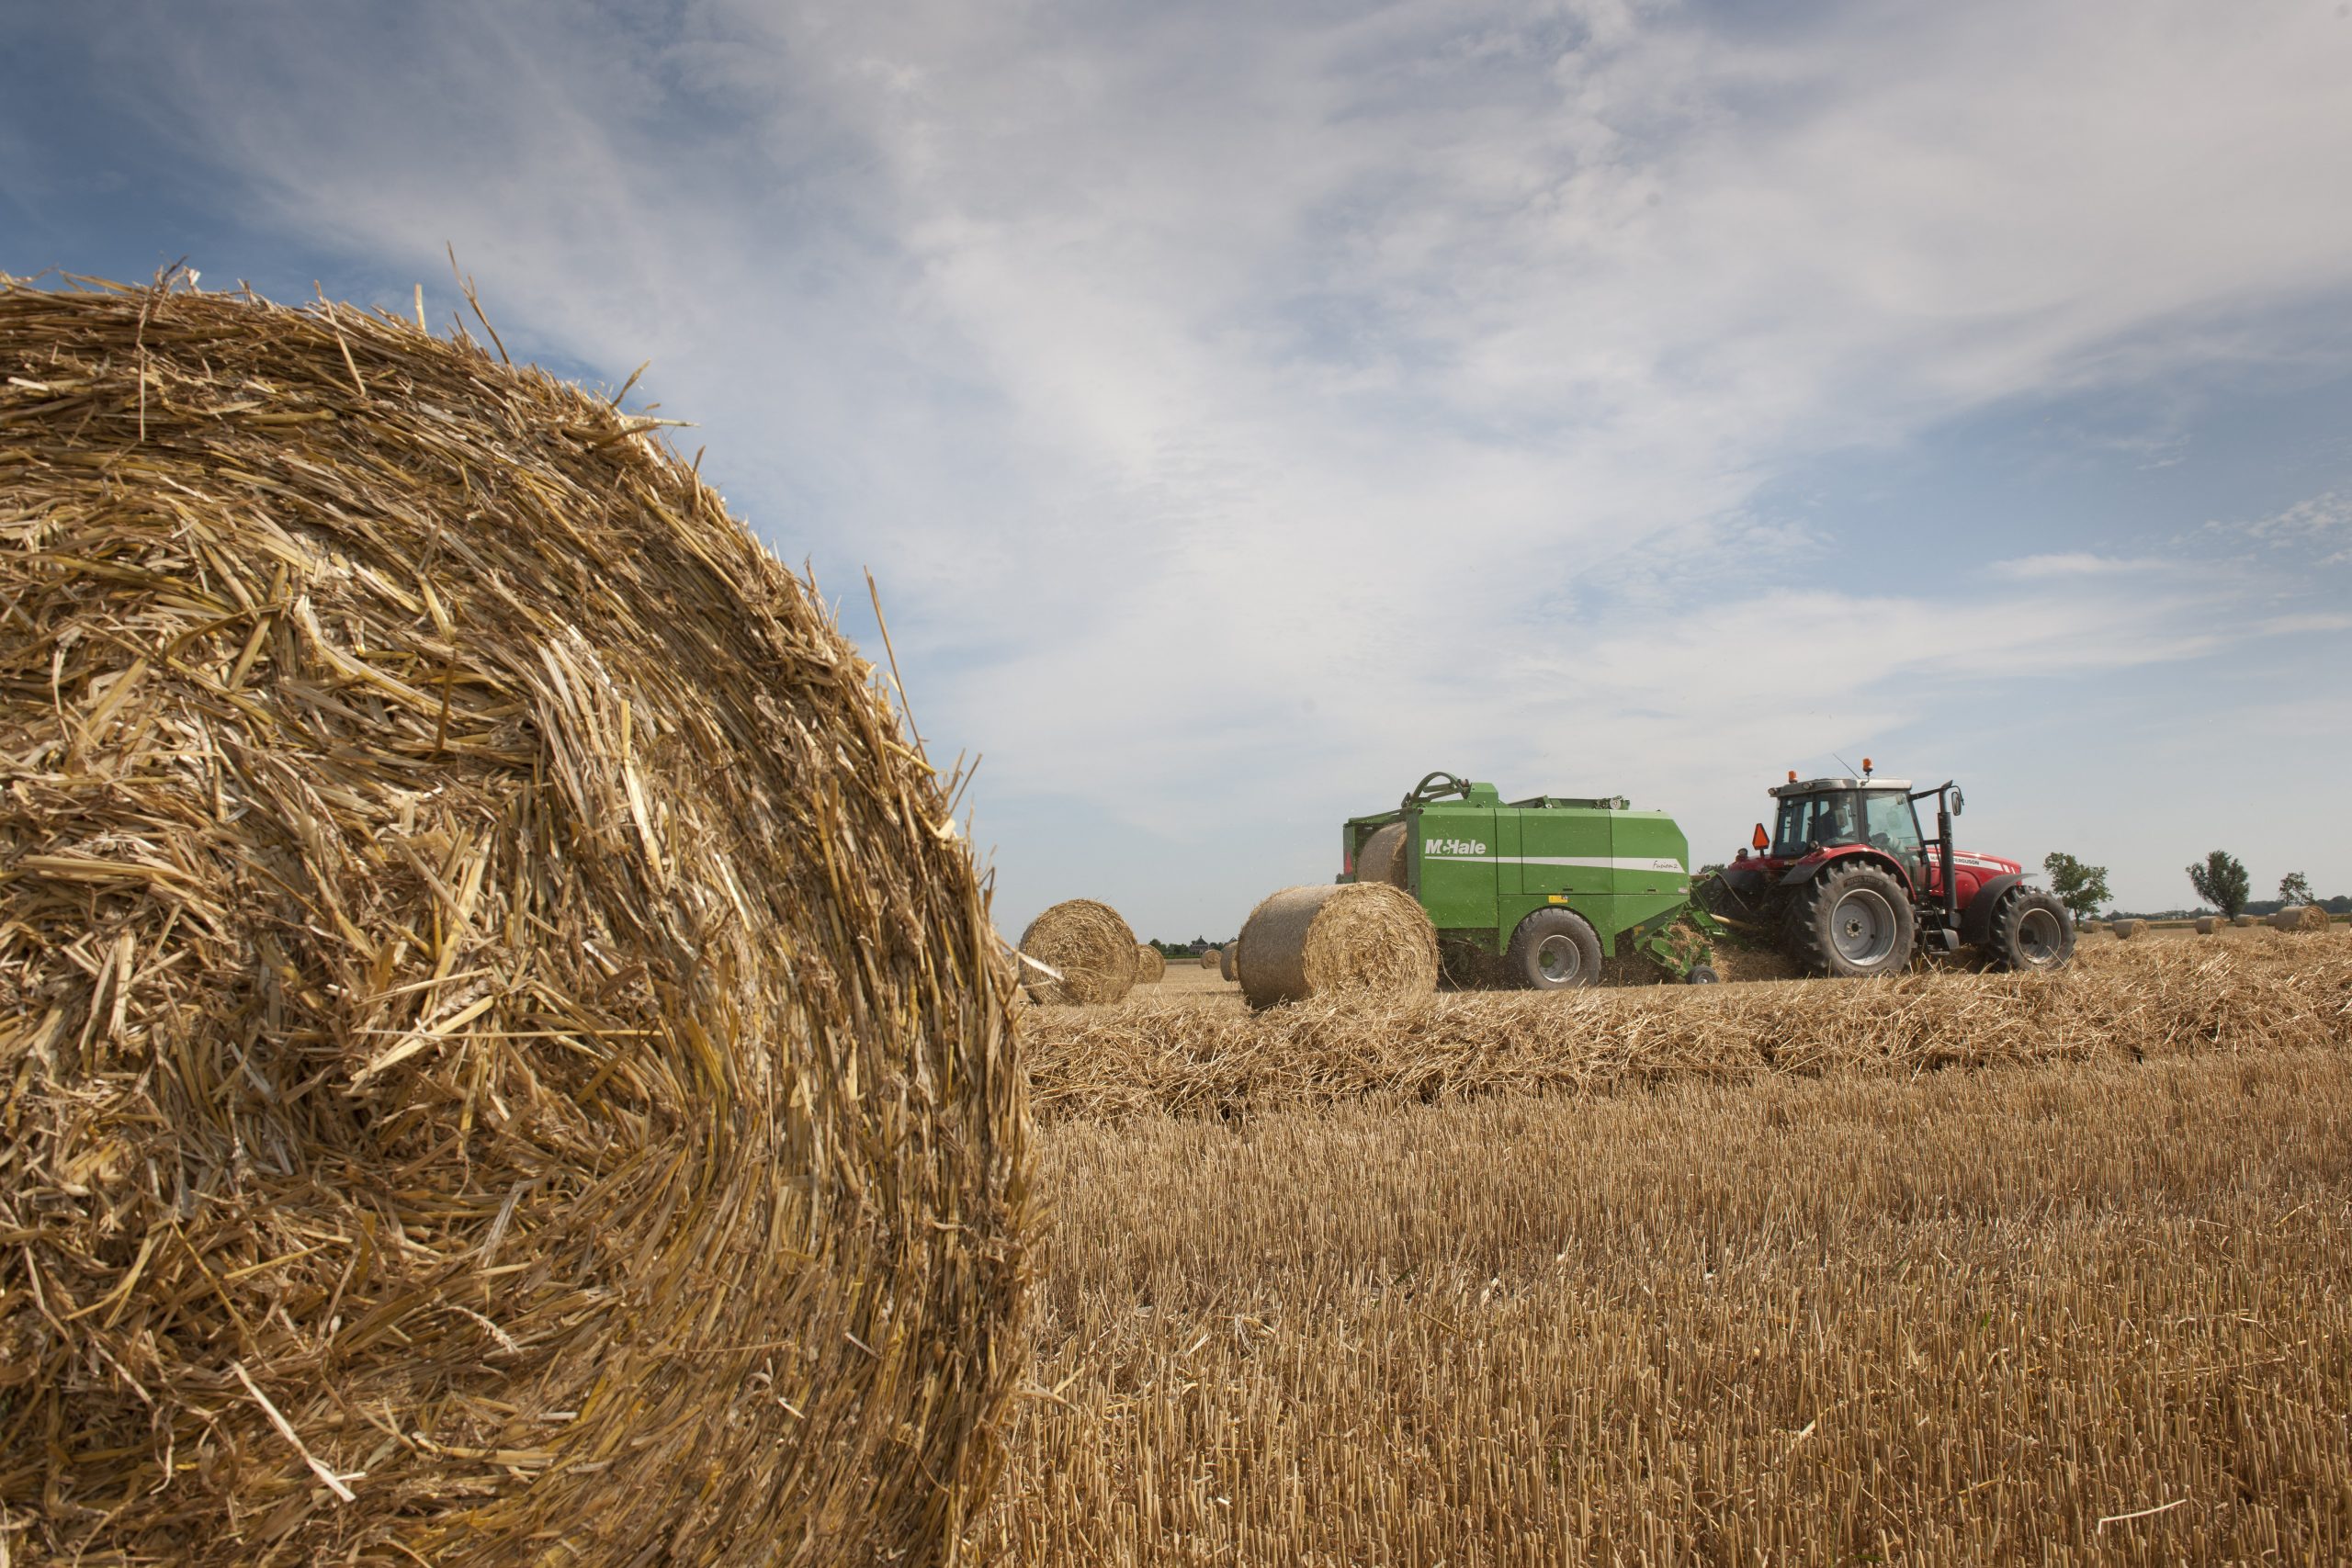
2001 942
1812 945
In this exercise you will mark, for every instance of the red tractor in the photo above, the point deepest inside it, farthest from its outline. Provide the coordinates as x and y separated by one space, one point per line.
1849 887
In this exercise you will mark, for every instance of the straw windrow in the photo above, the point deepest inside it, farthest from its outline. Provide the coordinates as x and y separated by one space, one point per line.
1218 1059
502 1056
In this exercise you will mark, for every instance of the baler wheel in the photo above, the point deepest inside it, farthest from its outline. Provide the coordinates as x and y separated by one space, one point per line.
2030 932
1553 949
1852 922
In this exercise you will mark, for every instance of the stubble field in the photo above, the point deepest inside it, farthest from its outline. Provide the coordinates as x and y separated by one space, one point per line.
2090 1301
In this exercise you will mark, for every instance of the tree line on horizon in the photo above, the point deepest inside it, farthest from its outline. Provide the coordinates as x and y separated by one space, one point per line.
2219 881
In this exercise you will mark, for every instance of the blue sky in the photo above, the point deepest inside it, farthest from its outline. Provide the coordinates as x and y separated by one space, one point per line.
1247 409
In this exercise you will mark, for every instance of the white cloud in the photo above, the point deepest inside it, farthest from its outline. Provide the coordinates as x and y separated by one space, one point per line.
2321 526
2073 563
1239 391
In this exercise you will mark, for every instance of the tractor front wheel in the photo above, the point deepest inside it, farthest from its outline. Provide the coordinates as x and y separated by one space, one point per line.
2031 930
1553 949
1852 922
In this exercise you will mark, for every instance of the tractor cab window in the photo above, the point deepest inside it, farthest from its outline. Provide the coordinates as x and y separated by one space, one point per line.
1893 826
1811 822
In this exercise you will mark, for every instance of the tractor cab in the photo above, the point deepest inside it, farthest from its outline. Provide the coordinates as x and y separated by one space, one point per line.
1820 815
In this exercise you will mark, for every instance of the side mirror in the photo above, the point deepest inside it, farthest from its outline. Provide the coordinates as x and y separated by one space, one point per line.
1958 800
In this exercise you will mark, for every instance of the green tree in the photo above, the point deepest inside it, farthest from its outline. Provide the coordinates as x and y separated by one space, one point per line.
2294 889
2221 882
2081 888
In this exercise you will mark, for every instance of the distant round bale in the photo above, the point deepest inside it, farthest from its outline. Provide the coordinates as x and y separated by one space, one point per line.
2244 920
2127 929
1212 958
1150 964
1387 857
1088 949
1363 939
2207 925
2301 917
1228 960
507 1063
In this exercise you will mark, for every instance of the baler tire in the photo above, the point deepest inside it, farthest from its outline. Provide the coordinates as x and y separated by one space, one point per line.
1561 935
2031 932
1702 975
1849 902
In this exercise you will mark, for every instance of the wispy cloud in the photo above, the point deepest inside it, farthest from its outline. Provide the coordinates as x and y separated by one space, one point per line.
2076 563
1245 392
2320 527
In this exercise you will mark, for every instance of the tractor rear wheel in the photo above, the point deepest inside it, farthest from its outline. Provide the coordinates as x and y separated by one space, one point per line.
1851 922
2030 932
1553 949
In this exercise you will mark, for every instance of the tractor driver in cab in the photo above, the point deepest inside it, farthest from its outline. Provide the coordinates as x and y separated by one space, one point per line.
1833 823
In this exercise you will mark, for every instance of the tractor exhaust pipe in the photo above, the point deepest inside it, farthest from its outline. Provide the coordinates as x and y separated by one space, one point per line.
1943 852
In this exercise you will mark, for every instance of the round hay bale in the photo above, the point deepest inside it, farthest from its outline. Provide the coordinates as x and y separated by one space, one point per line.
1212 958
2127 929
2300 917
2244 920
2207 925
502 1066
1149 965
1387 858
1228 960
1354 938
1089 949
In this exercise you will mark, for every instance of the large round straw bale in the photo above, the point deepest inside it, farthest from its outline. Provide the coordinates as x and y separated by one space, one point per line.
1212 957
1356 938
2244 920
2207 925
1228 960
1385 858
2128 928
505 1062
2301 917
1087 953
1149 965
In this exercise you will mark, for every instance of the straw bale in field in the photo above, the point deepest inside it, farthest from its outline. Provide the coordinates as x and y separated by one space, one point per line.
504 1057
1212 958
2128 928
1086 953
2244 920
2207 925
2301 917
1149 965
1229 962
1360 939
1387 857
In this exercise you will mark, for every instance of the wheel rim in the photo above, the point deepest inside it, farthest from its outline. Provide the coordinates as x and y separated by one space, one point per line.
1557 960
2038 936
1862 925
